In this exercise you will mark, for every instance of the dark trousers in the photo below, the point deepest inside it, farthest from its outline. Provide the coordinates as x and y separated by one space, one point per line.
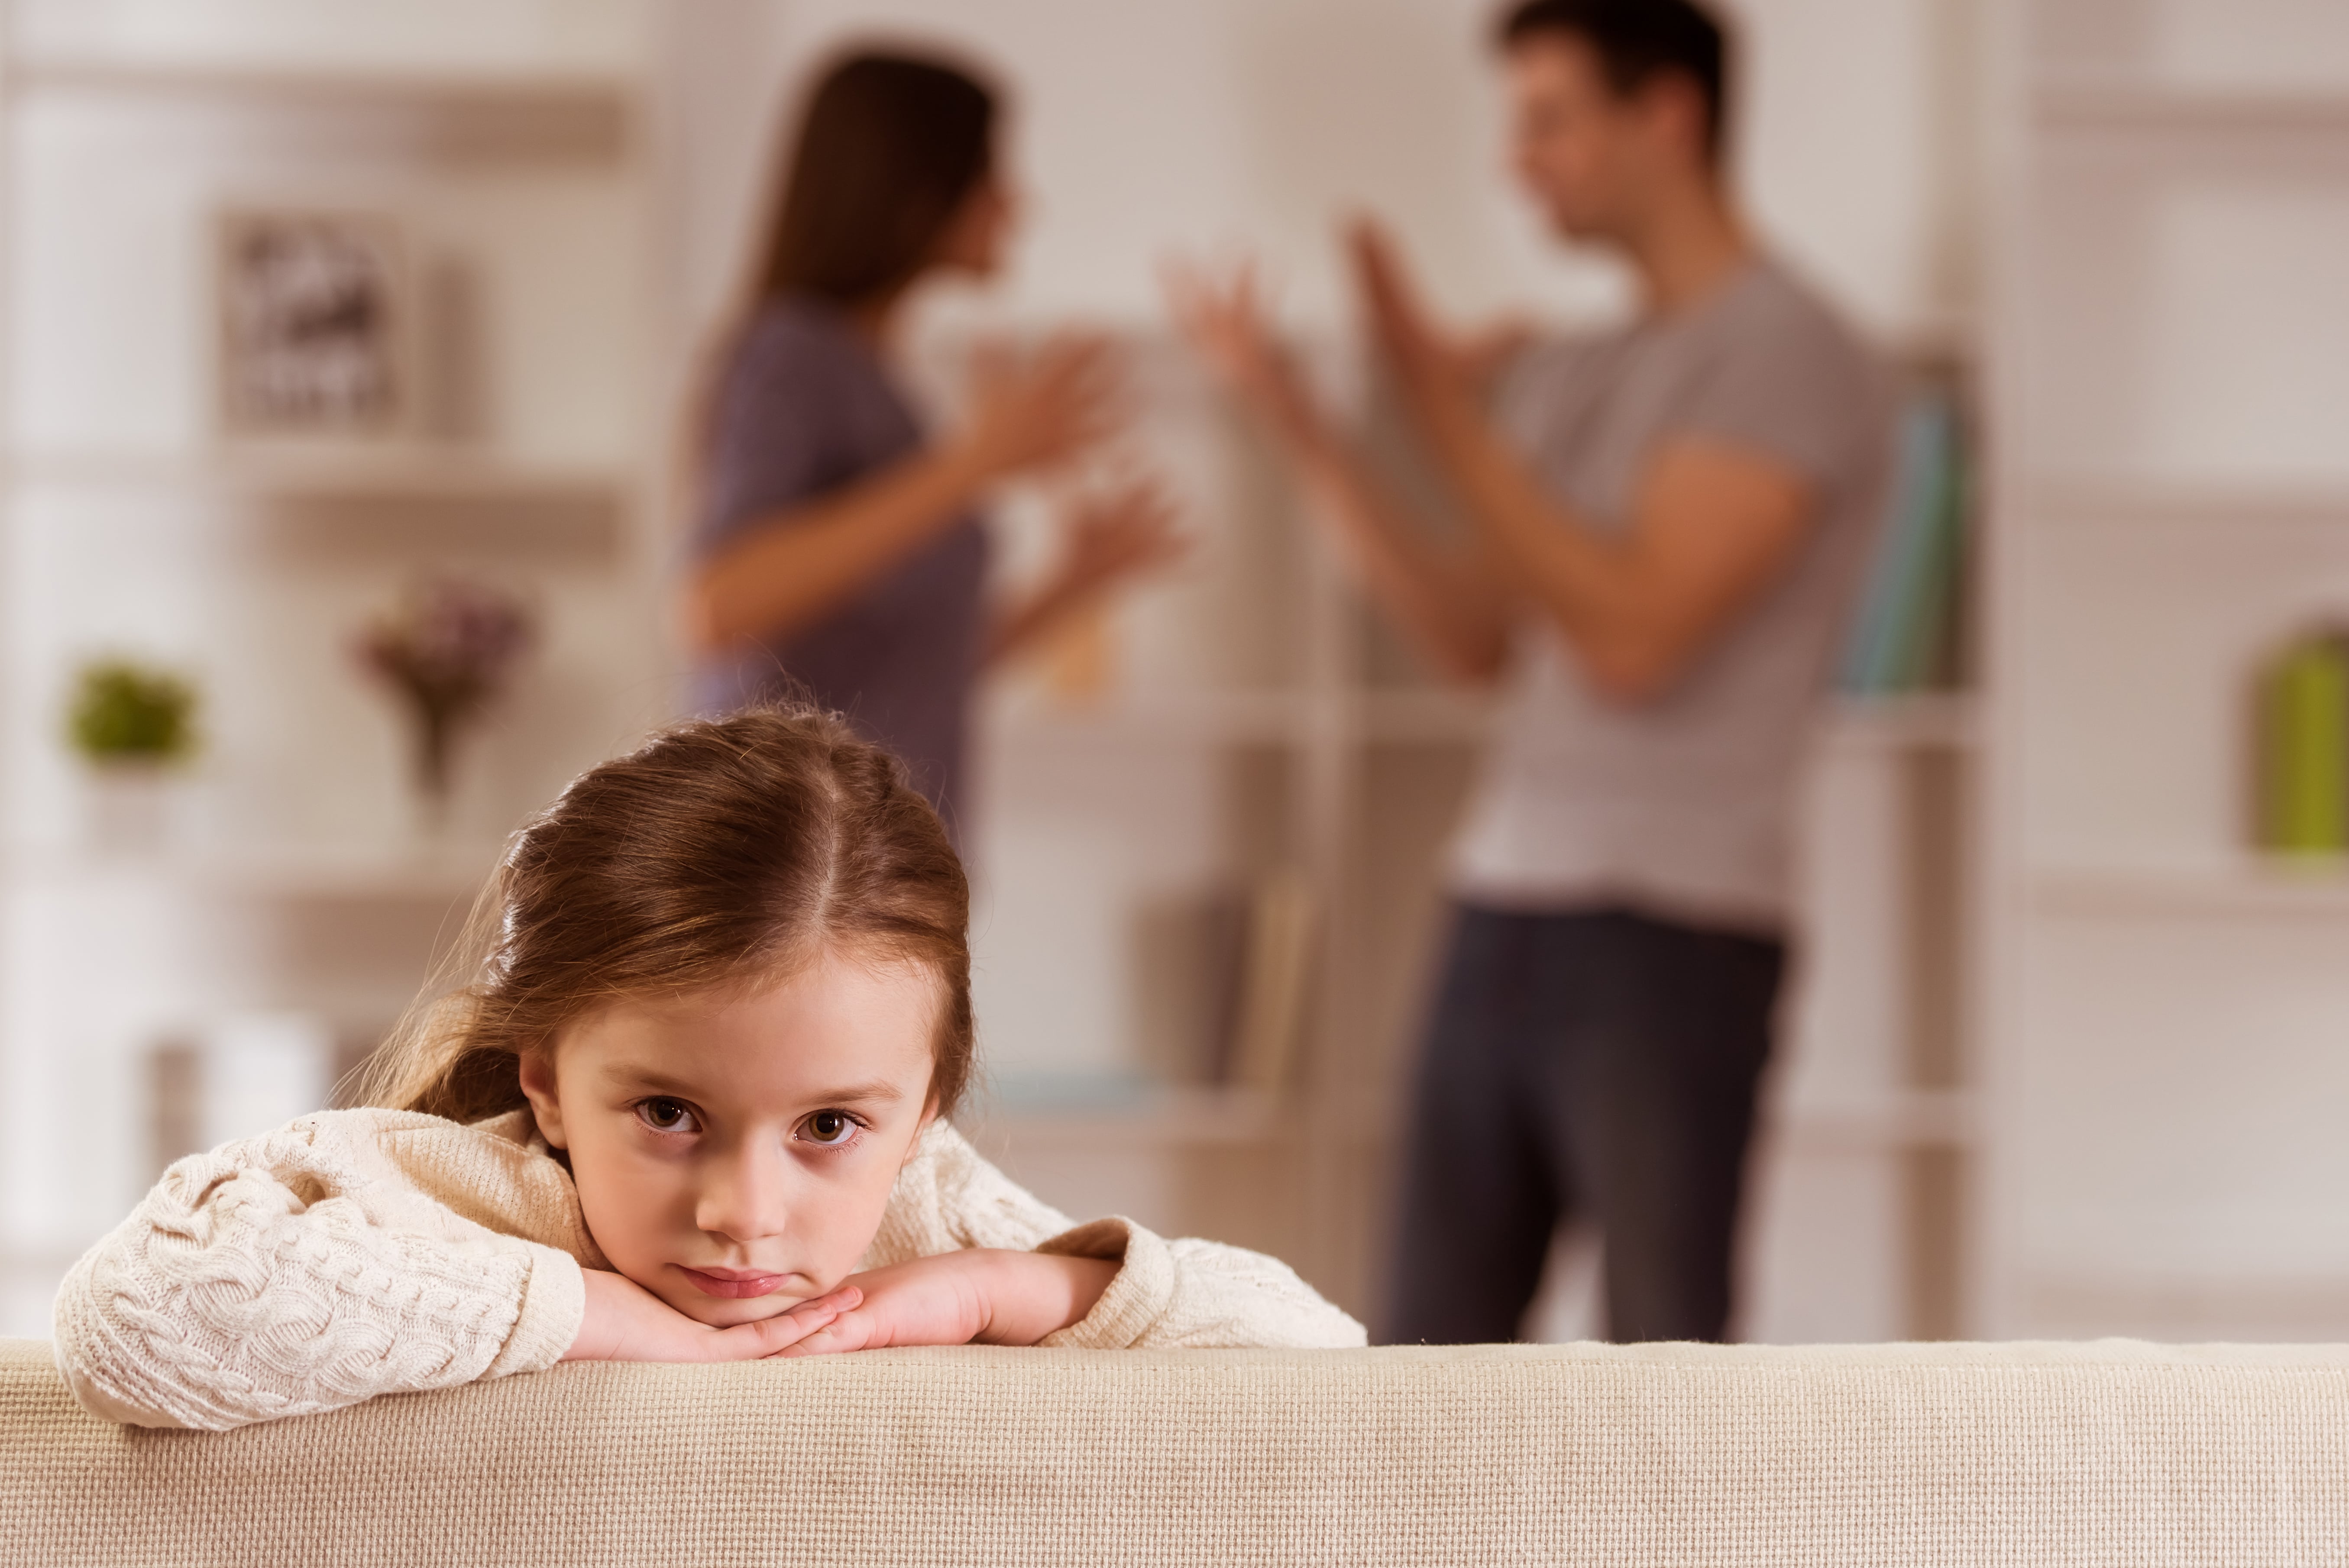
1601 1064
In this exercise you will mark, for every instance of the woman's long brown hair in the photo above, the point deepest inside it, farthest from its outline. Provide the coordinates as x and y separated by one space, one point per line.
722 854
889 147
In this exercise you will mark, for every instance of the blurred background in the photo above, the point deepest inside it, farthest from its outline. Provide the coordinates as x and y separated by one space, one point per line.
2069 1053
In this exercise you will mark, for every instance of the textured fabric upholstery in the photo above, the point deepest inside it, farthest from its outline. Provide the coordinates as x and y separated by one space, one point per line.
2054 1456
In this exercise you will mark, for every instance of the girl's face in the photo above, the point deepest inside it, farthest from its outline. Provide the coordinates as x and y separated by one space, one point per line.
734 1153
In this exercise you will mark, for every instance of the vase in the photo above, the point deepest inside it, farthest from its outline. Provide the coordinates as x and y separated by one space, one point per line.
130 808
431 776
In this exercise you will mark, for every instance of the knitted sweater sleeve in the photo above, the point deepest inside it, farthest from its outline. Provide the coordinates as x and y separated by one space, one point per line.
1168 1294
299 1271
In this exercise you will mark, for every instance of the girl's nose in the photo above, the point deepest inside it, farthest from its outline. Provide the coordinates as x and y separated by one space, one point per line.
743 1194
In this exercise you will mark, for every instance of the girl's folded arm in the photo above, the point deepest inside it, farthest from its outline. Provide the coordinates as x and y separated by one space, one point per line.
283 1276
1189 1295
1168 1295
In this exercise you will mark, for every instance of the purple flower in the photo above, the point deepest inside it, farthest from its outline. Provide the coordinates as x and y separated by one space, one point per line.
447 648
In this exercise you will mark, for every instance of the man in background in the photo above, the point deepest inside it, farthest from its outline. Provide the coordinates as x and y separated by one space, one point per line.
1666 522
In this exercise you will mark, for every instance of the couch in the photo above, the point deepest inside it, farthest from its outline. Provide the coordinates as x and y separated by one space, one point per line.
2113 1452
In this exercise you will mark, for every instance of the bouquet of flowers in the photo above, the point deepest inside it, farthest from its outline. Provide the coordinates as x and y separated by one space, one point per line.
446 647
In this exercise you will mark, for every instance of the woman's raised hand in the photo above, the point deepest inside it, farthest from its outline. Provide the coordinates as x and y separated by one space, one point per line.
626 1322
1225 320
1041 409
1122 531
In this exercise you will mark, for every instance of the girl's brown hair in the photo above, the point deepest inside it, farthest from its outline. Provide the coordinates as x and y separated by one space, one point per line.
726 853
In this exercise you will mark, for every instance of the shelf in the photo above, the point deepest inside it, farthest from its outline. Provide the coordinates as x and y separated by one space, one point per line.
2248 886
1269 718
2297 1309
1171 1118
596 90
1167 1117
1431 716
564 115
2082 502
1901 1119
1905 721
323 875
2120 103
411 474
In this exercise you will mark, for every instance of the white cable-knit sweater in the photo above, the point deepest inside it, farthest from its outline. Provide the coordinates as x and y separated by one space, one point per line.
357 1253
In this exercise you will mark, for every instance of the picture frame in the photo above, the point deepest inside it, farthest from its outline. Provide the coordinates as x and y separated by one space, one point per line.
316 329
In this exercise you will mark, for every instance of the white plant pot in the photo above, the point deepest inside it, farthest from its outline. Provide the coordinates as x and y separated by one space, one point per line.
131 809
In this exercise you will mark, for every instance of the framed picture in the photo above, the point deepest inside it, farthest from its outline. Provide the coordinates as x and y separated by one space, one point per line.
314 328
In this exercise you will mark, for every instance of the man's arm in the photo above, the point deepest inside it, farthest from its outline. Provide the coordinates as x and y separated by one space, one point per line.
1713 522
1447 600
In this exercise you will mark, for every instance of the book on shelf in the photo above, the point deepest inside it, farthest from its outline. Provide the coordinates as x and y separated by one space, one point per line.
1268 1022
2302 726
1904 637
237 1075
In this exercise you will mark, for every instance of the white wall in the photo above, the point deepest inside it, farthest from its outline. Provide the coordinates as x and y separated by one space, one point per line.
1145 128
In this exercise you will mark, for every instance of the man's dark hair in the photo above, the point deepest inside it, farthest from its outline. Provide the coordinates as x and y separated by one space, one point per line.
1637 40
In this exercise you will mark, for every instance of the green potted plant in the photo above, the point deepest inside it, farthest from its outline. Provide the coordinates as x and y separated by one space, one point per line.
134 727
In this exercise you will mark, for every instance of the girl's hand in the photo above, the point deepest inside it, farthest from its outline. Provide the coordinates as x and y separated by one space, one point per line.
626 1322
1040 411
985 1295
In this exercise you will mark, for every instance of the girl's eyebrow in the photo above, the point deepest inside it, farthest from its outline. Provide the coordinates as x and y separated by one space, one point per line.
879 1089
651 1082
633 1077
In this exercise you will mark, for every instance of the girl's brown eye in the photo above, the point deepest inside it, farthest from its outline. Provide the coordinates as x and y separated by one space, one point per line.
664 1115
830 1128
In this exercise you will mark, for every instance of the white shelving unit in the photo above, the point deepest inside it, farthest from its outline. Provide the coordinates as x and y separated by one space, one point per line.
2164 1083
1261 719
514 143
1258 722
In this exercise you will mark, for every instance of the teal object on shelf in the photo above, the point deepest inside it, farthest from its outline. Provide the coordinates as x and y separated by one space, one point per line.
1911 596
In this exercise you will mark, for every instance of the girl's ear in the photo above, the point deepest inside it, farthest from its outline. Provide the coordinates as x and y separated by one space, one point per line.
538 1083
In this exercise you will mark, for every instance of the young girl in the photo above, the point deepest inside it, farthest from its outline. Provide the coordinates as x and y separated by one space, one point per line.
693 1105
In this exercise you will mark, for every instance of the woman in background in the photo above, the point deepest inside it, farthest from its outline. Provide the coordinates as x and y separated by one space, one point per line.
838 551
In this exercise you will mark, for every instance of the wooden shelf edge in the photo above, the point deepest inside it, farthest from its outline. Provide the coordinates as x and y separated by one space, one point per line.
602 89
2286 1308
1262 716
1908 1118
1911 721
1906 721
2099 102
289 874
2246 887
416 474
2084 501
1175 1115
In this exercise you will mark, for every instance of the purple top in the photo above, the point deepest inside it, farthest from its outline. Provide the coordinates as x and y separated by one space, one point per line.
805 408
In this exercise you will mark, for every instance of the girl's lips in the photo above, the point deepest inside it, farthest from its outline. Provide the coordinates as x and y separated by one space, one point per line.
733 1285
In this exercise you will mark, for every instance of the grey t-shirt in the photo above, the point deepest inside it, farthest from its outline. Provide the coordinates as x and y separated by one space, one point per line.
1681 806
804 409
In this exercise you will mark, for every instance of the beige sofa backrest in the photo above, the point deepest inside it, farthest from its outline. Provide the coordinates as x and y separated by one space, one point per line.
2053 1456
